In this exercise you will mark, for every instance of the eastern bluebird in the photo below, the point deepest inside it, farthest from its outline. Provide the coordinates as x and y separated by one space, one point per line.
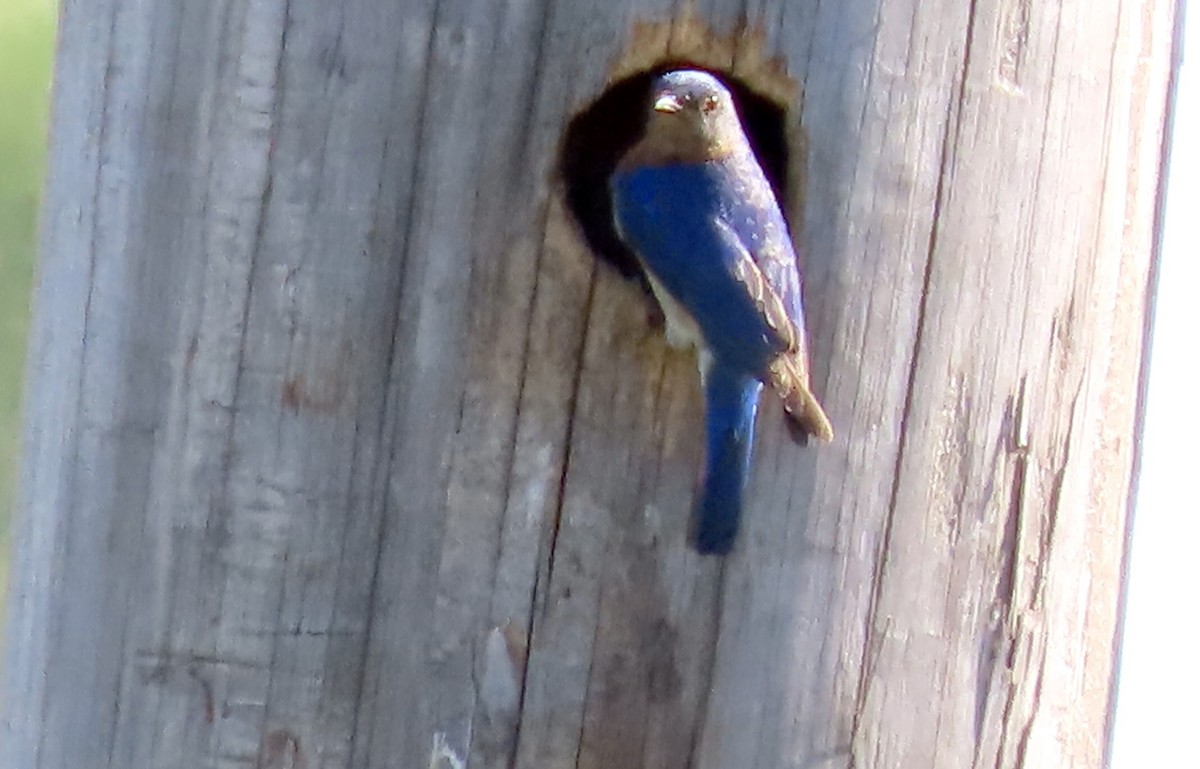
691 201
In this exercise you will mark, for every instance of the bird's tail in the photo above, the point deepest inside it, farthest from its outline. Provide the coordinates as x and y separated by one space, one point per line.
731 401
789 378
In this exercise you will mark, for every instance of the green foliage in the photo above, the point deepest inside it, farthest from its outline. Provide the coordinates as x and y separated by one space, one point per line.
26 51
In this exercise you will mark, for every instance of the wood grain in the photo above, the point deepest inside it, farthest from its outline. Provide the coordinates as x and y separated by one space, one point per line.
344 451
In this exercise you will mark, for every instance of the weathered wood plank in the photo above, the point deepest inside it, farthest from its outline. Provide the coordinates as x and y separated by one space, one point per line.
344 450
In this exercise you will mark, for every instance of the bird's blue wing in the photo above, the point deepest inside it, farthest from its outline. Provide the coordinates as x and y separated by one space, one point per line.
749 207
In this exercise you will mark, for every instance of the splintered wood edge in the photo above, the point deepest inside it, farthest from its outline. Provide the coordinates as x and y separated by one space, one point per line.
740 52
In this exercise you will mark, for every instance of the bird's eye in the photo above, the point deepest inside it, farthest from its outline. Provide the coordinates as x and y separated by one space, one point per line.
711 102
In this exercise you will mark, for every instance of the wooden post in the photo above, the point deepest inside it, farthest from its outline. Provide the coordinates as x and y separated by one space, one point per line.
343 450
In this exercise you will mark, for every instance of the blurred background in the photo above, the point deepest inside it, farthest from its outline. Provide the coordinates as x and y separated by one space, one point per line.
26 58
1159 669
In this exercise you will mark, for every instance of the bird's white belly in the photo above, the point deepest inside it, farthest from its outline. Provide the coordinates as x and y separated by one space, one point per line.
682 330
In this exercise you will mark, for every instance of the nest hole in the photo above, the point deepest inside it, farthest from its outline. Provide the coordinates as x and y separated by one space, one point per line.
598 137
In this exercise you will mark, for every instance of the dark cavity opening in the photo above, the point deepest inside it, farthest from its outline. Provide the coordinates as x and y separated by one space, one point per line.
598 137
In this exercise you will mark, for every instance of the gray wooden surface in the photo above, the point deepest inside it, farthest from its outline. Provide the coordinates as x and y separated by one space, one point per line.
343 451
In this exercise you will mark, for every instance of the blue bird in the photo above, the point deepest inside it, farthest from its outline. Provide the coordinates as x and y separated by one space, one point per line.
692 203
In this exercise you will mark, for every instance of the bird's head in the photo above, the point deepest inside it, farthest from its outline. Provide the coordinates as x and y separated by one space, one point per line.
694 107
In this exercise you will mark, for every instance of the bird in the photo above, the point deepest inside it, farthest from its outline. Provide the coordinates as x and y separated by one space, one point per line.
692 203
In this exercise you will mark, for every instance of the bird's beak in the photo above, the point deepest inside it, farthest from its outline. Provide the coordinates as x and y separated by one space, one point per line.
668 103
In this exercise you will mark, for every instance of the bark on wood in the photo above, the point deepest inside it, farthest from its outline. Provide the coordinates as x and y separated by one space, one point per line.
344 451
